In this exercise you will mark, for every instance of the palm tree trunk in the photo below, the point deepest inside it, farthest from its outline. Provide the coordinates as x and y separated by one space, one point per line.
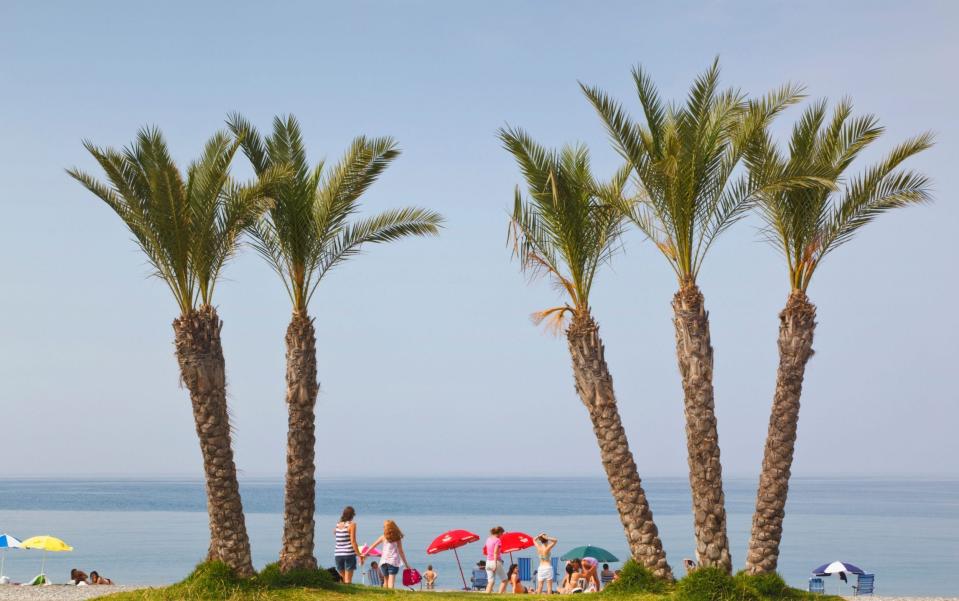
695 353
594 384
797 324
200 355
300 497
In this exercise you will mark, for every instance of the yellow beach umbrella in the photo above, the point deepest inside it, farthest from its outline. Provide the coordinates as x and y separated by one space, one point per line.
46 543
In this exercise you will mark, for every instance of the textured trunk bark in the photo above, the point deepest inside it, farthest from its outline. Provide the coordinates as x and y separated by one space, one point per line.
695 353
797 324
200 355
594 384
300 497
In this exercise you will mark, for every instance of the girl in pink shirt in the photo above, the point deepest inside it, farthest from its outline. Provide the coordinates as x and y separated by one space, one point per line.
494 560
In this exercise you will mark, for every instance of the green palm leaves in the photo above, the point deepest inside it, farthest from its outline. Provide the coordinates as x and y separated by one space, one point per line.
806 223
187 227
685 161
311 228
568 226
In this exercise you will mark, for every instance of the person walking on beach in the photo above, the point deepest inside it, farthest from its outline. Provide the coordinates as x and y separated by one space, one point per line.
544 548
393 554
346 550
494 560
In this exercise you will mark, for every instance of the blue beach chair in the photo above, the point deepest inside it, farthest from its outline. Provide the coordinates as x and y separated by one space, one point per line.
864 584
556 577
525 569
816 585
374 576
479 580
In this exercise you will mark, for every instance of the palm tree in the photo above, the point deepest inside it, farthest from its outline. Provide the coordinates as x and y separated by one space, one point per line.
565 230
309 230
685 161
805 224
188 229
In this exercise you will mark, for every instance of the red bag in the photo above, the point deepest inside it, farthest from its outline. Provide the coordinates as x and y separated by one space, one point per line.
411 576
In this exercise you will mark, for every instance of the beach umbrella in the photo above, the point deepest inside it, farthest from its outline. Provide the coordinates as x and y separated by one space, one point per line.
371 551
46 543
597 553
837 567
7 542
515 541
453 540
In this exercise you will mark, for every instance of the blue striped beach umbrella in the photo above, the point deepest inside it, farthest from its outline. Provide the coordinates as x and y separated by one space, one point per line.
7 542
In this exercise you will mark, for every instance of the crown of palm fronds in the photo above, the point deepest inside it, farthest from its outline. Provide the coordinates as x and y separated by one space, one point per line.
807 223
686 158
569 225
189 228
308 231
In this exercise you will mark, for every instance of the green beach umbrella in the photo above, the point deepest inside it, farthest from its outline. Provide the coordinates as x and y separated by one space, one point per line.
597 553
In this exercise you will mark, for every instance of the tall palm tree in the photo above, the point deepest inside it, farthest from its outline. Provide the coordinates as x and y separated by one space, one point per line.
188 229
806 224
310 229
685 161
566 230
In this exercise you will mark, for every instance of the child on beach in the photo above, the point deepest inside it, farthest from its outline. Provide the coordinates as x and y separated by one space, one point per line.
345 552
393 554
430 578
494 562
98 579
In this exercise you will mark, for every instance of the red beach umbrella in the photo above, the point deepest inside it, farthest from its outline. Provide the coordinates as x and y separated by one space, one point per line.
453 540
515 541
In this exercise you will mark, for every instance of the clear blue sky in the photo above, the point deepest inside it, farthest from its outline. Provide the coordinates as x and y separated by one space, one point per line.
426 351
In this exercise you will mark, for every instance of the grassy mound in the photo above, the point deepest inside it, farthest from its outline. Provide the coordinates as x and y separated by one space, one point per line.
634 578
714 584
271 577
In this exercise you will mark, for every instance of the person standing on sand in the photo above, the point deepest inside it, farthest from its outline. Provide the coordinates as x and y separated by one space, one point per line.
346 550
494 560
393 555
544 573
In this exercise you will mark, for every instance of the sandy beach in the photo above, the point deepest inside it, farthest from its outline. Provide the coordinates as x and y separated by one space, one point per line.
61 592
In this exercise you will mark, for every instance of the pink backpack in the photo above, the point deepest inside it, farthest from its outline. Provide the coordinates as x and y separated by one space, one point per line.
411 576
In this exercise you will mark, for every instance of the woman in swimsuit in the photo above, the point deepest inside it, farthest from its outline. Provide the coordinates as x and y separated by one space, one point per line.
544 548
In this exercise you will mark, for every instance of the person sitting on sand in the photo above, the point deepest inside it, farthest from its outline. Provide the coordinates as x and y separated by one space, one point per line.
512 577
98 579
571 580
375 569
77 576
606 574
430 578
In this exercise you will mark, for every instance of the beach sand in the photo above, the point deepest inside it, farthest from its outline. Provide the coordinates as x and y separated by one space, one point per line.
59 592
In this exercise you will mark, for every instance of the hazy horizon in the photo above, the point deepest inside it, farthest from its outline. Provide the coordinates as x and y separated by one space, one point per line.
425 348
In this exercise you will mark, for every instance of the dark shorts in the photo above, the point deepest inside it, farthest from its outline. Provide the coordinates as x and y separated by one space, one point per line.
390 569
345 563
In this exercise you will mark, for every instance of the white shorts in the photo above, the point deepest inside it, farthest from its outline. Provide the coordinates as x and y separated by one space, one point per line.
495 569
544 572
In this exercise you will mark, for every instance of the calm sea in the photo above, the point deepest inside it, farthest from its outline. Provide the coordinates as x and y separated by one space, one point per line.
154 531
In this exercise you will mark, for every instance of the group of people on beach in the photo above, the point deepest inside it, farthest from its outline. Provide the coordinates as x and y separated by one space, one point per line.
582 575
79 577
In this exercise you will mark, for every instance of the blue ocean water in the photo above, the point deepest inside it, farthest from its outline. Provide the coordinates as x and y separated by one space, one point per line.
154 531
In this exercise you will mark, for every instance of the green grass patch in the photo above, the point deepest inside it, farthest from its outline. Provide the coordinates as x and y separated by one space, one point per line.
634 578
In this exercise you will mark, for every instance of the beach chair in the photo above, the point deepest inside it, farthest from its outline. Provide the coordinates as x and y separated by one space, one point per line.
479 580
816 585
374 577
556 578
864 584
525 569
606 579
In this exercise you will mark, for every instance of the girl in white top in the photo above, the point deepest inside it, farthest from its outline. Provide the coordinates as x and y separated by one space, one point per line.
393 555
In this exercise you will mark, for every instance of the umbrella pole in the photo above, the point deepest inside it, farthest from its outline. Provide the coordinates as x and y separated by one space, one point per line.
3 559
43 564
460 566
